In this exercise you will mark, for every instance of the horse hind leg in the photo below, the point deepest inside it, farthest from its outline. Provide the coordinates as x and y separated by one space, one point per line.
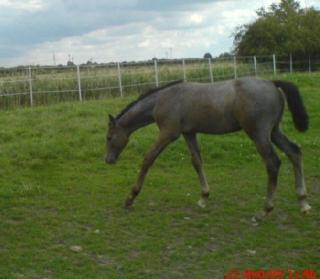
294 154
272 163
192 143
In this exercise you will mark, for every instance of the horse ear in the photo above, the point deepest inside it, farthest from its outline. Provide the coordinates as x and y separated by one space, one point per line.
112 121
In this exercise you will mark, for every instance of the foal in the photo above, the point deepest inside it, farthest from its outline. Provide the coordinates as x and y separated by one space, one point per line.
256 106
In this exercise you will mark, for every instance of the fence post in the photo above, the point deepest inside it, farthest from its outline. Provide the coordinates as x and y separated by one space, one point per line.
274 64
156 74
291 66
30 86
79 83
235 67
184 70
120 79
255 65
210 70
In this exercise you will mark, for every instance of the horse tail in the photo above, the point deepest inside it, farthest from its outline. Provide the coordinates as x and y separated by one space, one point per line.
295 103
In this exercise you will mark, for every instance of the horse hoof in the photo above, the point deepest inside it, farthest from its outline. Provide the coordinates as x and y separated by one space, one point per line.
306 208
255 222
259 216
201 203
128 204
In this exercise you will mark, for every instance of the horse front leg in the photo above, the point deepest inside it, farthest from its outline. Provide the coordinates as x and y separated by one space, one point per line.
197 164
164 139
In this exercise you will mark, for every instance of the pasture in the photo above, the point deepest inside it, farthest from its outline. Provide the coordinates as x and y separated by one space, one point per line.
61 206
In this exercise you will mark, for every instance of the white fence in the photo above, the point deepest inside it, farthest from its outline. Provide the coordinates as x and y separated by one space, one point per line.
35 85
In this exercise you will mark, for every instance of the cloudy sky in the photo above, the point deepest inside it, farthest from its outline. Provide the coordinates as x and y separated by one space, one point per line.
48 31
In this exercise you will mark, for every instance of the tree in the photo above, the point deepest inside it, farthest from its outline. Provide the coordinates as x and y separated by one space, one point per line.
225 55
282 29
70 64
207 55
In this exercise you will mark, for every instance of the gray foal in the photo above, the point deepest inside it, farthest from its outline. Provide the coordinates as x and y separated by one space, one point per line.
254 105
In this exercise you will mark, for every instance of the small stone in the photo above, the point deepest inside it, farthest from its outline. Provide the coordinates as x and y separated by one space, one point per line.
76 248
186 218
251 252
254 219
152 204
97 231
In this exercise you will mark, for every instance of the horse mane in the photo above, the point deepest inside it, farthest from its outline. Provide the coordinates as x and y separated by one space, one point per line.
143 96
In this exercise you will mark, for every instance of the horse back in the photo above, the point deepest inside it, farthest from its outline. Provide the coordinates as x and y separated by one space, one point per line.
217 108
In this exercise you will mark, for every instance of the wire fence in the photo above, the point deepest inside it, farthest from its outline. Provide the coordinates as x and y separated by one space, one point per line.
43 85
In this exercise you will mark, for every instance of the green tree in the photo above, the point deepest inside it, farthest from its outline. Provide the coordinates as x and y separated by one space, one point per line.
282 29
225 55
207 55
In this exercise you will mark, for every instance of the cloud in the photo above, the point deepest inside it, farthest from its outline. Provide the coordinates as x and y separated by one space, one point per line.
27 5
34 23
32 30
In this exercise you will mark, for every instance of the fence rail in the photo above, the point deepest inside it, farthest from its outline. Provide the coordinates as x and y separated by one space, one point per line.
40 85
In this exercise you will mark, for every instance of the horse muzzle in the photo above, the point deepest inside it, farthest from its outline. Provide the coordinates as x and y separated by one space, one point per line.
110 159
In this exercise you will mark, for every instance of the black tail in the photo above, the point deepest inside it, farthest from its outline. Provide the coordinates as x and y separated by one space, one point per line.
295 104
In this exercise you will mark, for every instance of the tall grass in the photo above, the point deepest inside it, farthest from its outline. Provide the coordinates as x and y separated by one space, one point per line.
50 85
58 84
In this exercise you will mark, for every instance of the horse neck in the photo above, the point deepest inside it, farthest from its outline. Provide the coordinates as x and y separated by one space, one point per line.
139 115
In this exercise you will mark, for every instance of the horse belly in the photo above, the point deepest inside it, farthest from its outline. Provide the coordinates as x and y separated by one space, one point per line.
211 123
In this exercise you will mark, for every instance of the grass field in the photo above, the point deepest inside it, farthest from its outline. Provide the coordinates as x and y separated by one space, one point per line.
61 207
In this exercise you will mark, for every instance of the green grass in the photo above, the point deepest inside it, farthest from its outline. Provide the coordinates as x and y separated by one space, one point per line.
57 192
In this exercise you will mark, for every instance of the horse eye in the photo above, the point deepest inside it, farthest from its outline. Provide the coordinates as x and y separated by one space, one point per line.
109 138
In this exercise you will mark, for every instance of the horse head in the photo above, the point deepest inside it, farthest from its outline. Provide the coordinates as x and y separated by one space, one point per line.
116 141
